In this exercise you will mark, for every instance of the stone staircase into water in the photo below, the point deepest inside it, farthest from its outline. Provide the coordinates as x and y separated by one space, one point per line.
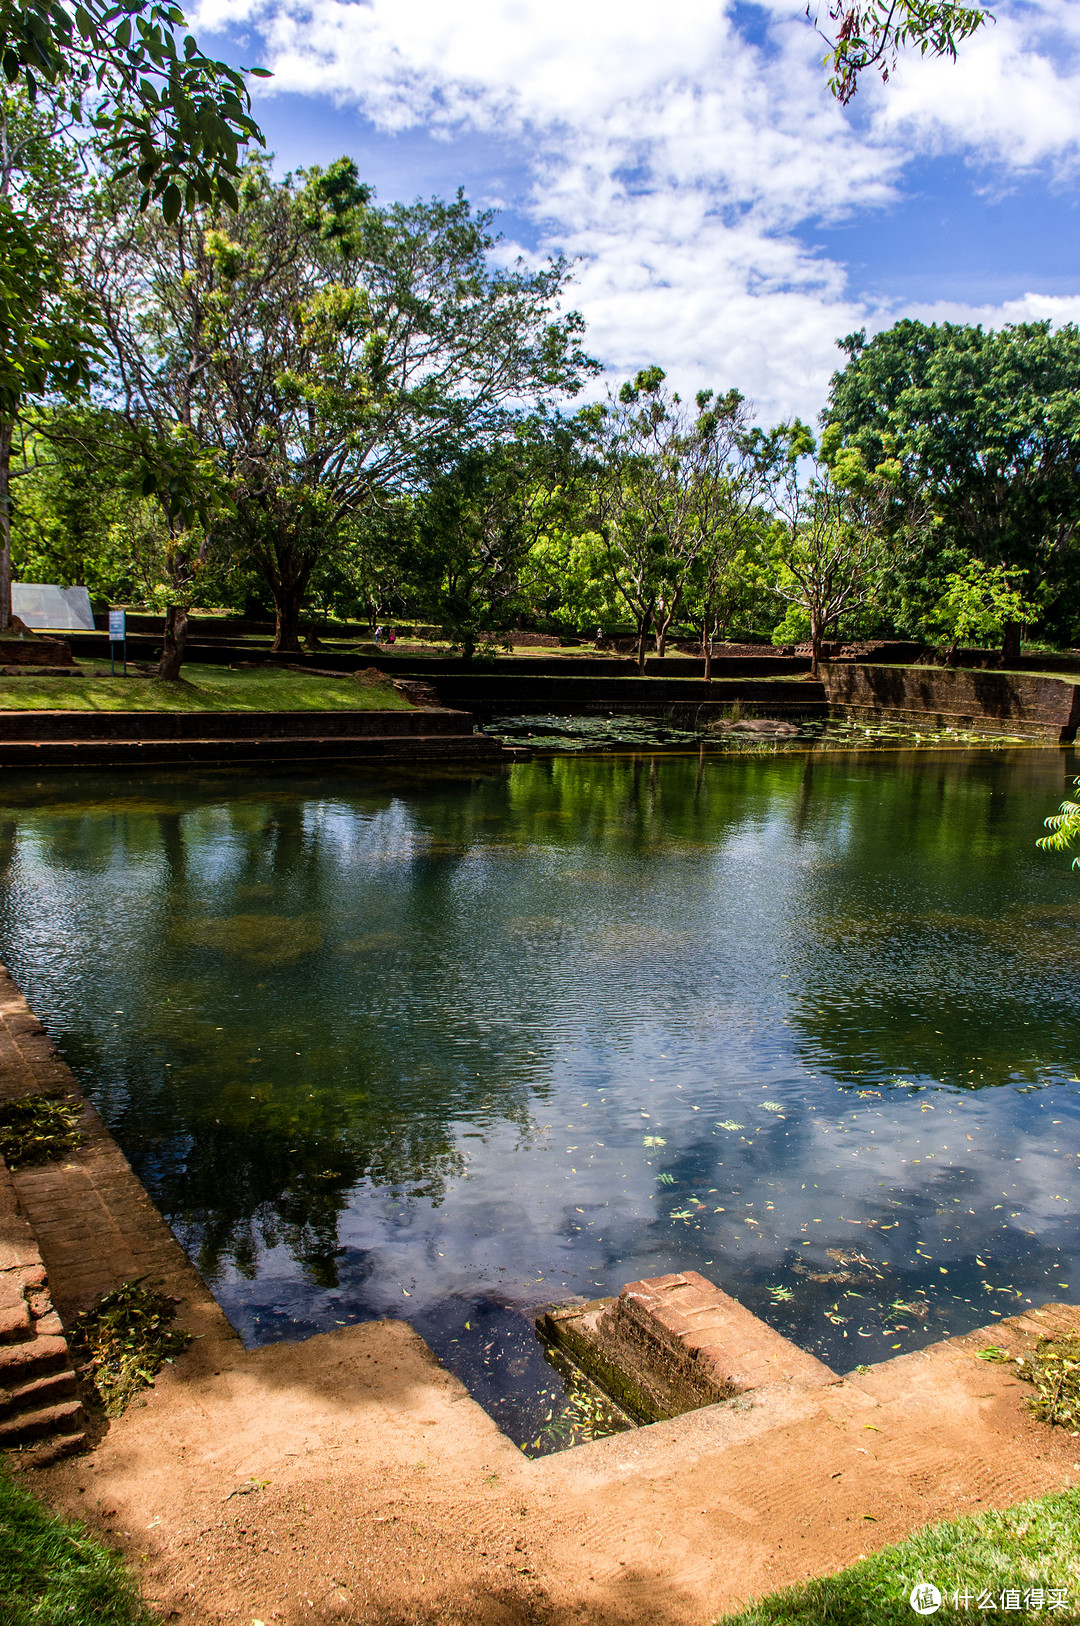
39 1401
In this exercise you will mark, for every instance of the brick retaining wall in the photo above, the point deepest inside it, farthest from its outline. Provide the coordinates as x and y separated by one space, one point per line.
996 702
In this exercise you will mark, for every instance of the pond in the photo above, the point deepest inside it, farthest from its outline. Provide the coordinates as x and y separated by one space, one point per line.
448 1043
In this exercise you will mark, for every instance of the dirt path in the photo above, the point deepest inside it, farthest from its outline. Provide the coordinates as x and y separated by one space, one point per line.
385 1494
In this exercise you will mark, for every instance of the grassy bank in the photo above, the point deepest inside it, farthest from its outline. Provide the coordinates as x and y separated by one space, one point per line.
53 1574
1022 1550
201 688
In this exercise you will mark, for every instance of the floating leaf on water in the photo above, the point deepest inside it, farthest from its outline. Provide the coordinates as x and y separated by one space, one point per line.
654 1140
730 1125
772 1106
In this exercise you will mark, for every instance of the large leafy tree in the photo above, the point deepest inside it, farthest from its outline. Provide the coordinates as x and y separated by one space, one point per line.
480 525
987 425
830 543
173 119
46 319
325 353
664 478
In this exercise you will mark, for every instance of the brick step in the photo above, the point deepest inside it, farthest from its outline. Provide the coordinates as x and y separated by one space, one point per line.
29 1427
22 1363
44 1391
15 1323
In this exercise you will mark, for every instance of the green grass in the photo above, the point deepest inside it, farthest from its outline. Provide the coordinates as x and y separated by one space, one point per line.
200 688
1036 1544
53 1574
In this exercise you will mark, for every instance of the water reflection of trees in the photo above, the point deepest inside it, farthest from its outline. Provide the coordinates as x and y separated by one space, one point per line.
373 924
942 947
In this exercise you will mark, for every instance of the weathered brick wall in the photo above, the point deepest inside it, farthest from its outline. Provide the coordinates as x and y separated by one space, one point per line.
999 702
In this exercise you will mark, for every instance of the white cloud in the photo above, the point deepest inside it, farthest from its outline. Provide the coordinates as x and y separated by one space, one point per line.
677 159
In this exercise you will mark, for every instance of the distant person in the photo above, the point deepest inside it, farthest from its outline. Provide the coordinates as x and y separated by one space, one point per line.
391 636
378 635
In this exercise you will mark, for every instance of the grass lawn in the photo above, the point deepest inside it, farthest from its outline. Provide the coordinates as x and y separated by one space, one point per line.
1030 1547
200 688
53 1574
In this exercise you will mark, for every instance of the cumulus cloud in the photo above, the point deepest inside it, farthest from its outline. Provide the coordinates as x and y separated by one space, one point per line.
677 159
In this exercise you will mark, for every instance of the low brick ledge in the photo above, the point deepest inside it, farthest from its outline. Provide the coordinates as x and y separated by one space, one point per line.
229 726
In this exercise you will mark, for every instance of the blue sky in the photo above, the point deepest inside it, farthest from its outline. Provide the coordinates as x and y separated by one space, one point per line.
728 219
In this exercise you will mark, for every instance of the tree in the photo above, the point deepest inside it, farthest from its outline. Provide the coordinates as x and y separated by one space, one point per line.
663 481
829 545
170 115
874 34
987 426
47 333
978 602
326 352
478 525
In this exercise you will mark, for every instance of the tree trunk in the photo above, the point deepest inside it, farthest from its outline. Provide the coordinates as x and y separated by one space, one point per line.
642 640
172 650
706 652
7 432
1010 643
287 605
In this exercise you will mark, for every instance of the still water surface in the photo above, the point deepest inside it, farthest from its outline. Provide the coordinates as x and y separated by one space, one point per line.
449 1044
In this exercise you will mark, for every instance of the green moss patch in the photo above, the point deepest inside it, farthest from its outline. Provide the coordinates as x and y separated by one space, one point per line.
52 1573
1030 1552
38 1129
124 1341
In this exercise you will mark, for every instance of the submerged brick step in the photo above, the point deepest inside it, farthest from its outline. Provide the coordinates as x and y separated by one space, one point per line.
672 1344
74 752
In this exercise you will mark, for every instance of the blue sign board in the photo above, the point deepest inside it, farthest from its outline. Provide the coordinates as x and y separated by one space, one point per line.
117 633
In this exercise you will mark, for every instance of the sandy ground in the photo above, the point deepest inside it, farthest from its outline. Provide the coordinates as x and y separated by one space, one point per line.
351 1478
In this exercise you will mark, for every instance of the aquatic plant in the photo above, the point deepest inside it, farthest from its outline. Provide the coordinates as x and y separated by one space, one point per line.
269 940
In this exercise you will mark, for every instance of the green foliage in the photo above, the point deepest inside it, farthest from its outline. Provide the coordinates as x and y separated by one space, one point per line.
1032 1545
38 1129
124 1341
874 34
1065 828
389 349
986 426
172 116
977 603
669 493
52 1573
831 541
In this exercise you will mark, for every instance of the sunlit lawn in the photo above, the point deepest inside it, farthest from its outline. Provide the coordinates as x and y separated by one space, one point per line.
200 688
